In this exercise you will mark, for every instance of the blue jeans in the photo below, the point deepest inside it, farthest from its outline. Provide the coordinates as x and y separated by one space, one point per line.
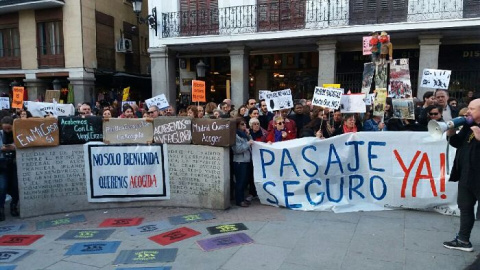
240 170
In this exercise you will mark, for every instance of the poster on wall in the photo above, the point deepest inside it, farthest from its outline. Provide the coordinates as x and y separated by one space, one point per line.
126 173
400 85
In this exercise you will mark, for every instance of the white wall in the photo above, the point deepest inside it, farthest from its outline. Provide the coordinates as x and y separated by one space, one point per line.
422 10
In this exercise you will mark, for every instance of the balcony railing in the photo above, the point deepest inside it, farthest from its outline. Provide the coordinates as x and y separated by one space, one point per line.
310 14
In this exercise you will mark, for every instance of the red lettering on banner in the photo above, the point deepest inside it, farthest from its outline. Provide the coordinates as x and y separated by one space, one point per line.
405 170
143 181
424 162
442 176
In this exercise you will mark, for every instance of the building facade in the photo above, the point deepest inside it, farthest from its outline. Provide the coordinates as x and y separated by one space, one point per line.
253 45
96 47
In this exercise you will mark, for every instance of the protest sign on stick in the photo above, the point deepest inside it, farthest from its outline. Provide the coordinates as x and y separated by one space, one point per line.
400 85
379 102
327 97
4 103
160 101
435 78
352 103
279 100
17 102
198 91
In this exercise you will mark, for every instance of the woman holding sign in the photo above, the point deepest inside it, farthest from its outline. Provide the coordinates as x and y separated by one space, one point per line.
241 159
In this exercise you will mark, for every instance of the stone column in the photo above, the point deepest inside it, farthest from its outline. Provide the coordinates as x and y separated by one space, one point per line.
429 50
36 88
83 90
239 75
163 73
327 62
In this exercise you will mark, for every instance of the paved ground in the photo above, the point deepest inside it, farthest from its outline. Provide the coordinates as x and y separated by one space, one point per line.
284 239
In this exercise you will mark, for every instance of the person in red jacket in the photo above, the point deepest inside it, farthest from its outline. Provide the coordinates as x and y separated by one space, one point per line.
280 132
290 124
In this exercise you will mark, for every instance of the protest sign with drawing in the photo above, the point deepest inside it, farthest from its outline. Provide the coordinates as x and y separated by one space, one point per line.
352 103
4 103
400 85
279 100
160 101
327 97
435 78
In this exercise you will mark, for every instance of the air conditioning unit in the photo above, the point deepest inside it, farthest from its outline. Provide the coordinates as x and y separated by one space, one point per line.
124 45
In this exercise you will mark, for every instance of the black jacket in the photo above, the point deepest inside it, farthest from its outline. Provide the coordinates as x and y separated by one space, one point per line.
466 168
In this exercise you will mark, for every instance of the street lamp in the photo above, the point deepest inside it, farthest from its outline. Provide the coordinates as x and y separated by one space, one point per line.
150 19
201 68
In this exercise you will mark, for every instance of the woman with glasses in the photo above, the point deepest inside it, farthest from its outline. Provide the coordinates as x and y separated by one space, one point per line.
279 132
241 160
434 112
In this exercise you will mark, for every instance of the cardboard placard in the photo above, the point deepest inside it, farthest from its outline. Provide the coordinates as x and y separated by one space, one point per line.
34 132
176 130
78 130
50 95
213 132
127 131
198 91
17 102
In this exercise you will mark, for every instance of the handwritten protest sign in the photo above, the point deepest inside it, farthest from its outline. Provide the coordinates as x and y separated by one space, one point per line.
369 99
279 100
379 101
126 173
435 78
17 102
352 103
262 93
78 130
123 130
213 132
198 91
41 109
50 95
176 130
34 132
160 101
358 171
4 103
327 97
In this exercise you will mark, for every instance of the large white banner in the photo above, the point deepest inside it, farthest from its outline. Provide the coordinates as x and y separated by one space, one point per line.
362 171
40 109
126 173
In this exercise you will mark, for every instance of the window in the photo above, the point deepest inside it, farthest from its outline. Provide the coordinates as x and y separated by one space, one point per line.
50 38
9 48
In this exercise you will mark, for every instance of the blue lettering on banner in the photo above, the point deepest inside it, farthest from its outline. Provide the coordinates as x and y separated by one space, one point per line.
357 159
372 156
265 188
113 182
286 153
272 155
334 151
287 194
319 194
352 188
329 191
372 191
309 161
